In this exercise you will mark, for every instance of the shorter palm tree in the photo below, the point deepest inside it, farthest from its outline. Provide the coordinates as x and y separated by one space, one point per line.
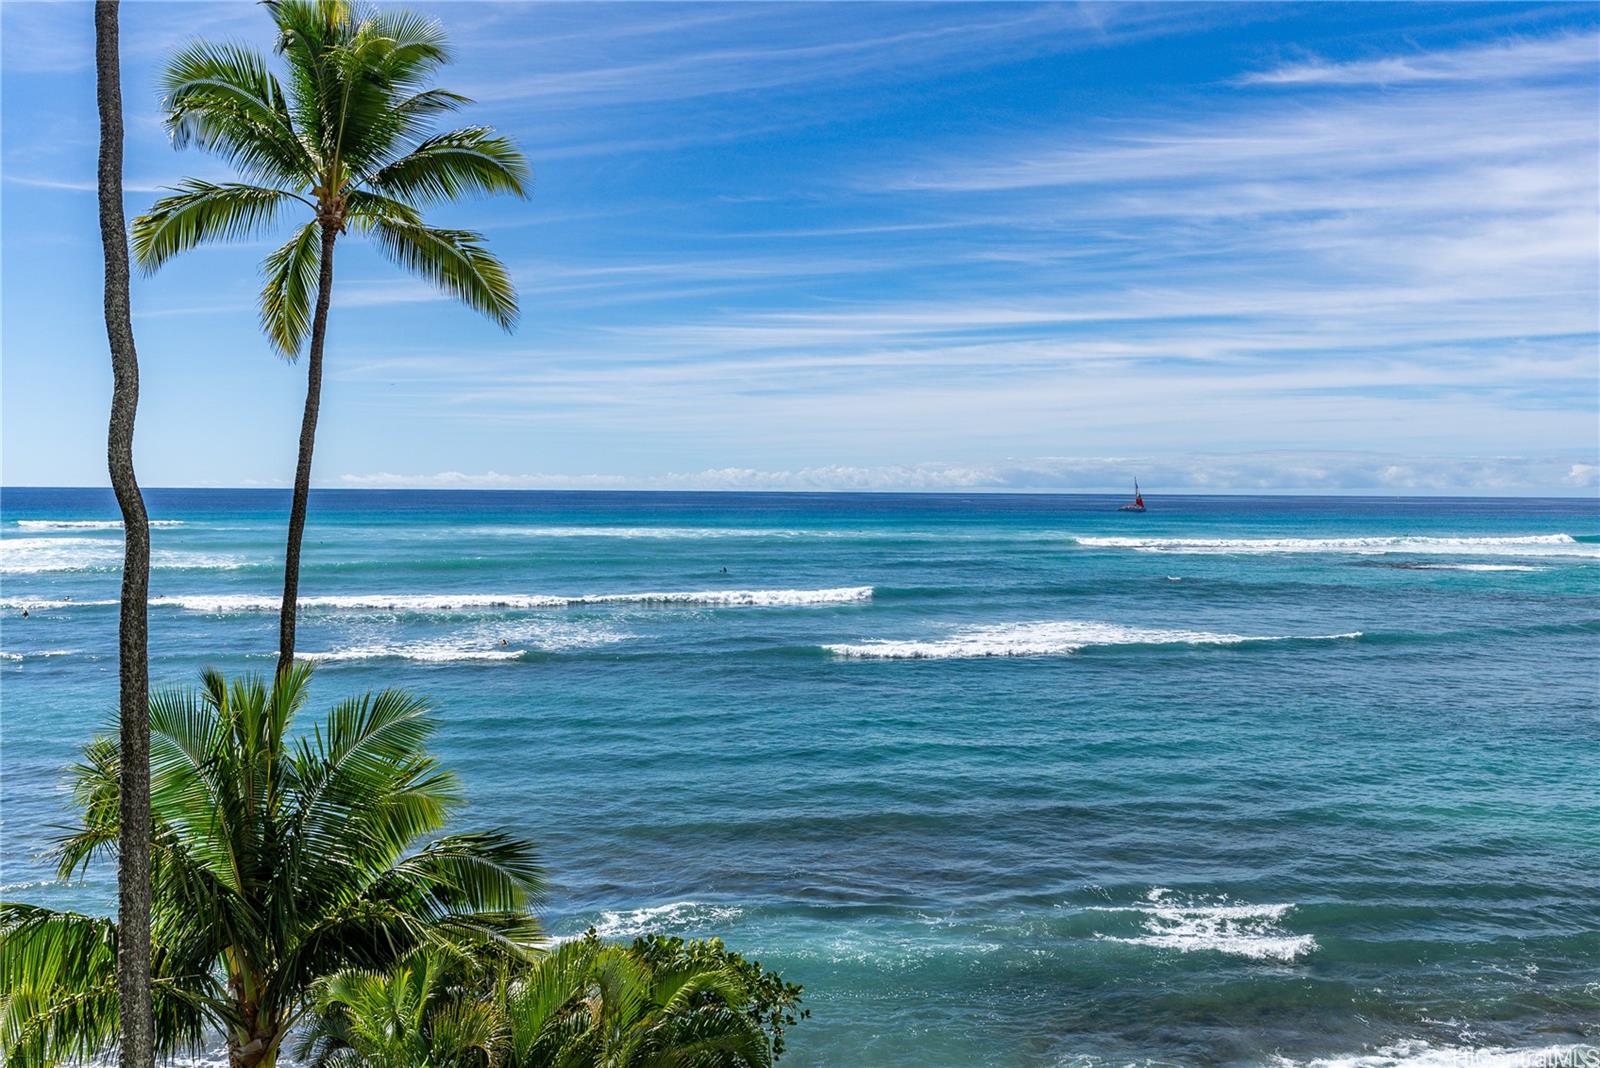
410 1016
275 863
584 1004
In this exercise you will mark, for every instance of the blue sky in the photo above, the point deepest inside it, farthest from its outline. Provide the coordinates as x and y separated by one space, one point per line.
882 246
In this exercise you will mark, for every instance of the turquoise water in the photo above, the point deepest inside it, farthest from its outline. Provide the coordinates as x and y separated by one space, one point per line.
1008 781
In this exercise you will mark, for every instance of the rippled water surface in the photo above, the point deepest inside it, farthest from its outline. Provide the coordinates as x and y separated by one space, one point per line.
1008 781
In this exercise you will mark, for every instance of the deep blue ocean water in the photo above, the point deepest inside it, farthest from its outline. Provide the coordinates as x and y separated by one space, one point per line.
1003 780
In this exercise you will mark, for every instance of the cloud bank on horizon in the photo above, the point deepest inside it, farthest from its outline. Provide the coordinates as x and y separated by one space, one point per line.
1243 247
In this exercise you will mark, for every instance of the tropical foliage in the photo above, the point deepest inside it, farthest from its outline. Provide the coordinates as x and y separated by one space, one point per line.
583 1004
347 144
276 862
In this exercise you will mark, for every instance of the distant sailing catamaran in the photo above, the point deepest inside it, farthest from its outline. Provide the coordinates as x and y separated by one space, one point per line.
1138 500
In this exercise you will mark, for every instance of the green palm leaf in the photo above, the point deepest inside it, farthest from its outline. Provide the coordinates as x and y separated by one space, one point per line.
226 99
453 165
286 299
454 260
197 212
273 865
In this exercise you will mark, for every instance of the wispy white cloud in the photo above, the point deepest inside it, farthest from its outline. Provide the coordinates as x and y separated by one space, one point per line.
87 185
58 37
1246 144
827 46
1274 472
968 252
1516 59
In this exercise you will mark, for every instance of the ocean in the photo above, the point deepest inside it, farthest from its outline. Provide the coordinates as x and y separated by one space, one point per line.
1008 781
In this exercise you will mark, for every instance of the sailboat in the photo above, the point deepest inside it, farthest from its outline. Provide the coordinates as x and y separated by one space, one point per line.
1138 500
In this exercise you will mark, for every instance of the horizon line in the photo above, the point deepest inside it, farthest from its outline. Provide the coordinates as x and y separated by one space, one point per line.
986 492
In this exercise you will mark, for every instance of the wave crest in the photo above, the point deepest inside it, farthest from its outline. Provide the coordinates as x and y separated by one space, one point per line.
1419 1054
1050 638
1524 545
30 556
676 916
1188 926
459 602
88 524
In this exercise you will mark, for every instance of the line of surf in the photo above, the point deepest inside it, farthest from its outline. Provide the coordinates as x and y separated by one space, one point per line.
1048 638
466 602
35 555
88 524
1521 545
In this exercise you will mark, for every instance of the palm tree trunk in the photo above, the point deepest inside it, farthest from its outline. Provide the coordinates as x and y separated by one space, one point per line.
257 1050
308 441
133 858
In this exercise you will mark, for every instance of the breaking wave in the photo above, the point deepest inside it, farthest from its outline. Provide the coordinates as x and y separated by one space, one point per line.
678 916
1188 926
38 654
41 604
488 643
28 556
88 524
672 533
1055 638
1528 545
447 602
1419 1054
439 652
1475 567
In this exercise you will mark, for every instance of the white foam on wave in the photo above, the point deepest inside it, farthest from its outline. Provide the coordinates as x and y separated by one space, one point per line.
1420 1054
677 916
1048 638
36 654
1477 567
27 556
483 643
434 652
671 533
219 603
1189 926
737 598
36 604
448 602
88 524
1526 545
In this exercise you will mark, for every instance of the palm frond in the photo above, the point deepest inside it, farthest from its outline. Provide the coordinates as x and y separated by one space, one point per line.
95 784
477 872
58 987
453 165
287 299
365 787
199 211
454 260
226 98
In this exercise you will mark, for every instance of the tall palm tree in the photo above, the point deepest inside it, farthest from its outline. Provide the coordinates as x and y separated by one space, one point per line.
133 875
275 863
347 145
